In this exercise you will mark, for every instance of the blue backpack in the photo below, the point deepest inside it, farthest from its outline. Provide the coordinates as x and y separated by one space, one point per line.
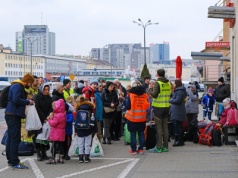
82 120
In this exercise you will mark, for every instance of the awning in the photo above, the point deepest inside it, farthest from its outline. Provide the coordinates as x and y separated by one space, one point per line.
206 56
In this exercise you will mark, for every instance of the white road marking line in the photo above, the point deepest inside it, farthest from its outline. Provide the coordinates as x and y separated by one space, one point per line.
5 168
126 171
35 168
106 158
94 169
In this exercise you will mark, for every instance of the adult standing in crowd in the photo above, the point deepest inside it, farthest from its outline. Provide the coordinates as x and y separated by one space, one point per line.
192 111
33 89
178 111
79 87
146 82
110 102
15 110
43 103
161 95
67 88
137 105
58 92
99 109
40 81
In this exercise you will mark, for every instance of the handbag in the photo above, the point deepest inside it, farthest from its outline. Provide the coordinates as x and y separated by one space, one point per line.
108 109
32 119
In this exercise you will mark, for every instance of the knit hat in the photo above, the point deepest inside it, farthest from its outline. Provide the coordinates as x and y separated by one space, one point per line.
210 90
93 80
226 100
221 79
81 81
58 85
28 78
66 81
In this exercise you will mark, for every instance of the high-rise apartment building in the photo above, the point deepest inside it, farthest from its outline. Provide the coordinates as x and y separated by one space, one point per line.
35 39
160 53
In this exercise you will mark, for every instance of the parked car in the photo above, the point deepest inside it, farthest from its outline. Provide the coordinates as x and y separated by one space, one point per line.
201 87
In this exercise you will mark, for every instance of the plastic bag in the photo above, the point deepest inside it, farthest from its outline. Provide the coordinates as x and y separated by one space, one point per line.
96 149
73 149
32 119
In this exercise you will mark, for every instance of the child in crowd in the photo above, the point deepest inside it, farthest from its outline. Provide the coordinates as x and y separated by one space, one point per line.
208 101
69 125
57 121
83 129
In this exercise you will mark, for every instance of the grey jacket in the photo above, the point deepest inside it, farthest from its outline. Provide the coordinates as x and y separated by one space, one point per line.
192 102
178 111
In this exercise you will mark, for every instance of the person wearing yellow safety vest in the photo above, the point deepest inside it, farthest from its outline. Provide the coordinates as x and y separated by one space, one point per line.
67 88
161 94
137 105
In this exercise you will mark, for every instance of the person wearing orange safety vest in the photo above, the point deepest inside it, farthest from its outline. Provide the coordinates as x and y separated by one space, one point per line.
137 105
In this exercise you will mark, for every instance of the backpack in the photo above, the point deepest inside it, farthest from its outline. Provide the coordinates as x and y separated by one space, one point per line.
233 104
4 97
82 120
205 137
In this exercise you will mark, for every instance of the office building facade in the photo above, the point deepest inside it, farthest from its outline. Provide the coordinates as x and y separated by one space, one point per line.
160 53
35 39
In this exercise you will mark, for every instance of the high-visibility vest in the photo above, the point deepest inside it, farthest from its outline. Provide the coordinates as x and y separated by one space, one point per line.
68 93
162 101
139 106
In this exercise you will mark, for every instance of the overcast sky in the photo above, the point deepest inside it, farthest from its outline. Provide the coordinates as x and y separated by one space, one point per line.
80 25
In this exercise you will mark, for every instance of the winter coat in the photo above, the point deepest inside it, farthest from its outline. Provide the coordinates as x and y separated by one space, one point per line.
192 102
58 122
88 93
69 123
79 89
43 104
107 99
56 95
135 126
221 92
156 90
208 102
17 99
177 110
86 105
223 116
99 107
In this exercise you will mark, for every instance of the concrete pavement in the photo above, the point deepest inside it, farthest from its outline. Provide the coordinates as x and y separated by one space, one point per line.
191 160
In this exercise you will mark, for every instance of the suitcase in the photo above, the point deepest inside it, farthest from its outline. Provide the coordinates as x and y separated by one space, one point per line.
127 136
150 140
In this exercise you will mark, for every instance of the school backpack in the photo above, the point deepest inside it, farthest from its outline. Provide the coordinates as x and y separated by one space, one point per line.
82 120
4 97
205 137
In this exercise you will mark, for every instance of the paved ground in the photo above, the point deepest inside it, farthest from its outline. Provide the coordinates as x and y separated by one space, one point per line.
192 160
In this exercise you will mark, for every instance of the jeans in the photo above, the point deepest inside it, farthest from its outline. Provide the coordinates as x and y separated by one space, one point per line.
14 138
106 127
141 140
84 144
205 113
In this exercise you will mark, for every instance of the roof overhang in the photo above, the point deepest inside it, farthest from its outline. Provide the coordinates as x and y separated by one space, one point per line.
221 12
206 56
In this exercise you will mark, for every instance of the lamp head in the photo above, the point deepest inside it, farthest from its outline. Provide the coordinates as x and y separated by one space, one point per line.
139 20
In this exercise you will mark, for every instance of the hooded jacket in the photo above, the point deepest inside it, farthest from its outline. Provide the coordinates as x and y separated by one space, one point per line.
43 103
222 92
192 102
178 111
58 122
17 99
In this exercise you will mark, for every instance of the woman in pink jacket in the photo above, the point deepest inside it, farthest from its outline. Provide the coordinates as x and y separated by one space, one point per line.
57 121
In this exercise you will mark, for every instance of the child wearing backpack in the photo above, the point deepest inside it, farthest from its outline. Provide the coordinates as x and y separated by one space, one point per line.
84 127
208 101
57 122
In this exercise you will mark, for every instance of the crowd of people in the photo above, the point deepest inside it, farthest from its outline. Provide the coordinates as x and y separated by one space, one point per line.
113 105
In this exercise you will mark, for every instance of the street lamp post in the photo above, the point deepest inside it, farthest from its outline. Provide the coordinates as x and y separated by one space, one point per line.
140 23
31 42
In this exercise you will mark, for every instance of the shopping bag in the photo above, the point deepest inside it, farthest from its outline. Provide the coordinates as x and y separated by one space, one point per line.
39 139
32 119
45 131
96 149
73 149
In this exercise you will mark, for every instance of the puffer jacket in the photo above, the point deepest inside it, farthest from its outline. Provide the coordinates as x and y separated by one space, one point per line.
192 102
222 92
58 122
178 111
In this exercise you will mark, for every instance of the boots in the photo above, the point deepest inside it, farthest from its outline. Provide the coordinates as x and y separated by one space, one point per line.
81 160
67 157
51 160
39 156
175 140
180 142
109 141
87 159
61 160
104 140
